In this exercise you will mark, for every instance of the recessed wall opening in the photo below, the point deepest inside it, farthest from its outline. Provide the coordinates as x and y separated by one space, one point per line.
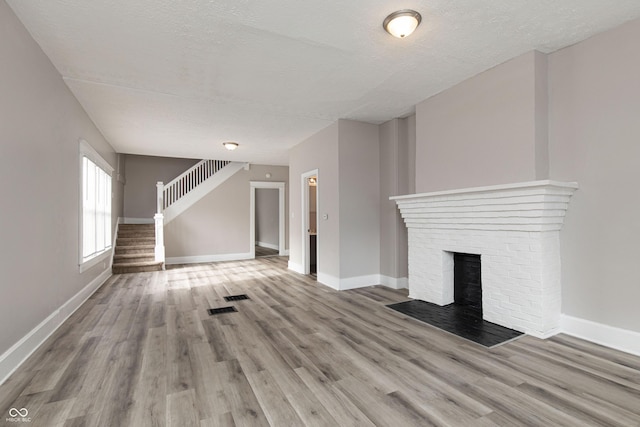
467 282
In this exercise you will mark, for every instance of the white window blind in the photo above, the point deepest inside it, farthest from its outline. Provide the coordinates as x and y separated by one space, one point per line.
96 204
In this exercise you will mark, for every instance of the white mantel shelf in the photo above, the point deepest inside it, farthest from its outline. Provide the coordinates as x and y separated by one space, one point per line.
514 228
528 206
492 188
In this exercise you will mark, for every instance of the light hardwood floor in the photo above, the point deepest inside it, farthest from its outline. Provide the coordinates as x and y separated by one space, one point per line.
144 351
262 251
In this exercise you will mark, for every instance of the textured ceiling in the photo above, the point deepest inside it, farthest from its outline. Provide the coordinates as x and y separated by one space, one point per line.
177 78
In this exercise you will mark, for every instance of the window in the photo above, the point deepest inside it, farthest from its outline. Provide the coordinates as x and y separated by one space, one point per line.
95 198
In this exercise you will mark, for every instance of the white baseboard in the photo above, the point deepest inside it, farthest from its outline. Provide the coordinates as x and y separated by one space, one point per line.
137 221
20 351
295 267
329 280
359 282
349 282
543 336
393 282
197 259
268 245
609 336
356 282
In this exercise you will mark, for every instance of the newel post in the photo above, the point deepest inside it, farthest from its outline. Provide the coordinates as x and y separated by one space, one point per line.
159 220
160 197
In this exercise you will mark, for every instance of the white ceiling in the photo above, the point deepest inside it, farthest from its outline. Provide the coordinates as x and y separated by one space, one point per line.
177 78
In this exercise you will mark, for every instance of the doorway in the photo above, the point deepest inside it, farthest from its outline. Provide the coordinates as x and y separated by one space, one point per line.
266 223
257 201
310 224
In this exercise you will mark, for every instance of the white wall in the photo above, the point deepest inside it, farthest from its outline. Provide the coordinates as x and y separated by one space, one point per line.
359 159
218 224
41 123
320 151
142 174
502 126
395 176
267 217
347 157
489 129
595 140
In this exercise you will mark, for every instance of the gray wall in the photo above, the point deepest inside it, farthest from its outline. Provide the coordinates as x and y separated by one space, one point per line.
142 173
485 131
396 139
595 140
347 157
359 193
267 216
569 116
41 123
218 224
320 151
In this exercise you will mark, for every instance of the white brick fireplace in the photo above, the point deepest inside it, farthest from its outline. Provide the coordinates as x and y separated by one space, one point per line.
515 230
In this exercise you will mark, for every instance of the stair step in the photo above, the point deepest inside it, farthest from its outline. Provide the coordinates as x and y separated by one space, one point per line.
136 227
135 257
136 233
135 249
136 267
135 241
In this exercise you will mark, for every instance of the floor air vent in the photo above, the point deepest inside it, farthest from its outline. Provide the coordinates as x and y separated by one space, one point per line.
236 297
221 310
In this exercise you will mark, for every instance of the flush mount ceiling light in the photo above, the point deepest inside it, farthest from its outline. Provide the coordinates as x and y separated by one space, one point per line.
230 145
402 23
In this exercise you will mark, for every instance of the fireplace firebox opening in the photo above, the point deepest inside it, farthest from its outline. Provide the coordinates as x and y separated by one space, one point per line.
467 281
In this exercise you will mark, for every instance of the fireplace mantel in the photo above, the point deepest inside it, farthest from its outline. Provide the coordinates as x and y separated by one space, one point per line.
514 228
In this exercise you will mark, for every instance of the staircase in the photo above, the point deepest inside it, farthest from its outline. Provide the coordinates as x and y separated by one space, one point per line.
135 249
183 192
140 247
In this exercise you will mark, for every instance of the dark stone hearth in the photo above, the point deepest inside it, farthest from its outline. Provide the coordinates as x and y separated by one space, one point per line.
460 320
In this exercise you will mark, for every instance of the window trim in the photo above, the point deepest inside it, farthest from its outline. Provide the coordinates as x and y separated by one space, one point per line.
86 150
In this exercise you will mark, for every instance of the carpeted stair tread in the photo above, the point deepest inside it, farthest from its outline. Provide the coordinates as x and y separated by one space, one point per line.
135 233
135 264
131 241
136 227
136 267
135 257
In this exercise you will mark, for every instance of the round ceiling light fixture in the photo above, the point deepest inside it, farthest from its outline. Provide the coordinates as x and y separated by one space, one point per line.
230 145
402 23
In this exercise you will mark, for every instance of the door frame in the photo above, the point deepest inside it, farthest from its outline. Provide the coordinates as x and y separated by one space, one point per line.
280 186
305 221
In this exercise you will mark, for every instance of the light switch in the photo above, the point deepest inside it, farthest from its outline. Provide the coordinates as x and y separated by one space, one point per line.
325 216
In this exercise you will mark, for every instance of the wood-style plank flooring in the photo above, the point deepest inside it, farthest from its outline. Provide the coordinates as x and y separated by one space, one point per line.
144 351
262 251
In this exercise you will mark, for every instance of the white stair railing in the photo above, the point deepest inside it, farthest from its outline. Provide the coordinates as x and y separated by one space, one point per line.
189 180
